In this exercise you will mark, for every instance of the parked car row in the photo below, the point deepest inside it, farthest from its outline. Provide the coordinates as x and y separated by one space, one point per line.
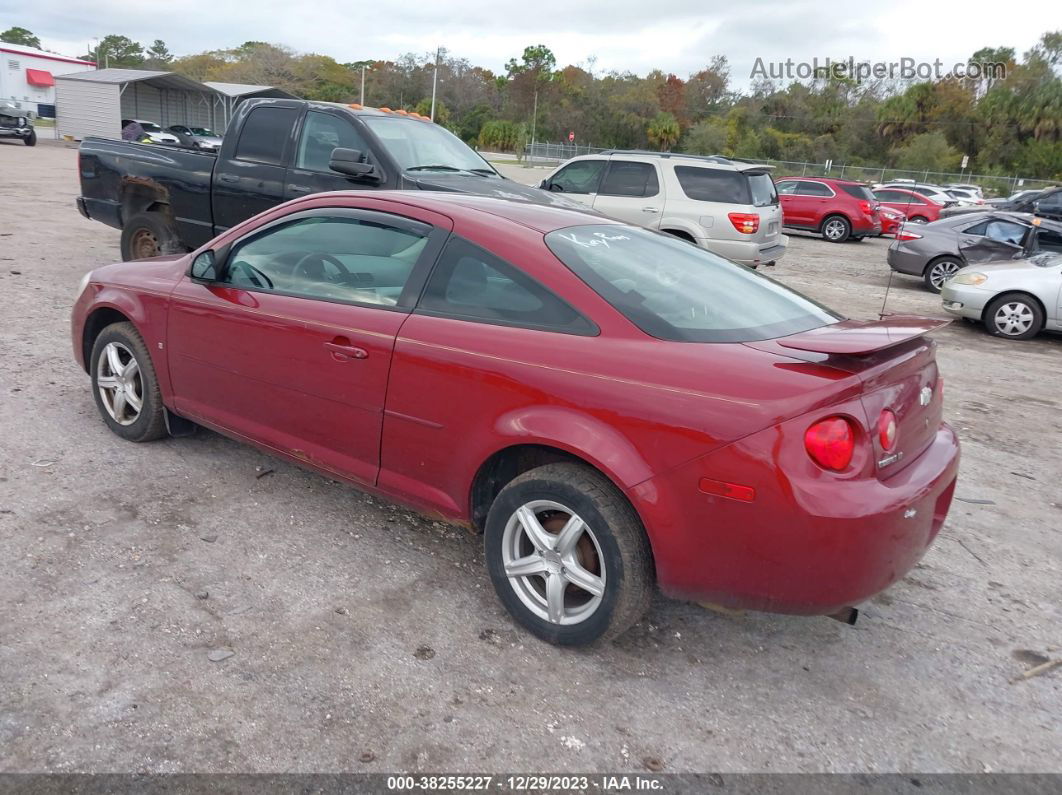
144 131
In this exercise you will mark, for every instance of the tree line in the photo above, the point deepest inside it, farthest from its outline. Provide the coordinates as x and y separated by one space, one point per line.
1005 126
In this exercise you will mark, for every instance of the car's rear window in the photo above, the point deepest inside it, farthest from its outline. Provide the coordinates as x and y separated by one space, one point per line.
728 187
676 291
859 191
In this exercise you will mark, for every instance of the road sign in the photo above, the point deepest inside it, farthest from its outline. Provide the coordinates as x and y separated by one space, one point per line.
965 161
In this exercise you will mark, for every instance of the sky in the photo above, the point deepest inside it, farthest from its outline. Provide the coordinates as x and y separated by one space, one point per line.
679 36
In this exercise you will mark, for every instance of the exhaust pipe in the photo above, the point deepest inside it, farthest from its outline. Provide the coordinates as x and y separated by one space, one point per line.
846 615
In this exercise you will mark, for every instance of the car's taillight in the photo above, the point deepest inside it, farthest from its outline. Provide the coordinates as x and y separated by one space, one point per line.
903 234
867 207
887 430
831 443
746 223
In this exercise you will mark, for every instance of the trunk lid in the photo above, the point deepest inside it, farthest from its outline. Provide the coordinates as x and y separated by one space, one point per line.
897 365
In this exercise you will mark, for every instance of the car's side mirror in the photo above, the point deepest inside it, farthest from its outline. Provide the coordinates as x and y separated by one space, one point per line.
544 184
205 268
351 163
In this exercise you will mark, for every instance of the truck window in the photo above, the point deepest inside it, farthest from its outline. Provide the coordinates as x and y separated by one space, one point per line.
321 133
264 133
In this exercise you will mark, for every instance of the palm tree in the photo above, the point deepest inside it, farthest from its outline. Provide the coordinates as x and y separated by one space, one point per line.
664 131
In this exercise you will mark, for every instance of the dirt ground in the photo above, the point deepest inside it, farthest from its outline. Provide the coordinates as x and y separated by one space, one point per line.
360 631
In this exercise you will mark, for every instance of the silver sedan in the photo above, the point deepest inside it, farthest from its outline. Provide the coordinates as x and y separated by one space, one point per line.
1016 299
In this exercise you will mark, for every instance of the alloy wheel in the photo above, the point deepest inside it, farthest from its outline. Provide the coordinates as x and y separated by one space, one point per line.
835 229
941 272
120 383
553 562
1013 318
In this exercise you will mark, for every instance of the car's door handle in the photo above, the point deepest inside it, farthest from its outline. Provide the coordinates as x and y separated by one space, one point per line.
229 178
299 189
343 351
650 210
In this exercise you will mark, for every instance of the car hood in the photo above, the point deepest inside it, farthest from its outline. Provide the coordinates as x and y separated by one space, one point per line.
208 139
1001 266
489 186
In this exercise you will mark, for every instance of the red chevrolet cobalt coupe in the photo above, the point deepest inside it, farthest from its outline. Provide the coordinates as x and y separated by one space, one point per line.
608 405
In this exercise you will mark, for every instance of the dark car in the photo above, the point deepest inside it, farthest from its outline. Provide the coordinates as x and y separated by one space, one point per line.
937 251
1045 203
173 199
612 407
837 209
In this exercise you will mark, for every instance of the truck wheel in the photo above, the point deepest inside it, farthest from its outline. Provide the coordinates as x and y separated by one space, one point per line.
567 555
148 235
31 139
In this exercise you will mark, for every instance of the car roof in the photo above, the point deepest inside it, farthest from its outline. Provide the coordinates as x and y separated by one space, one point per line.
540 217
702 161
828 180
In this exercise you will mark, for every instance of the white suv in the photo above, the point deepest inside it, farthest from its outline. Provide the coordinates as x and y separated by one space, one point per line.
727 207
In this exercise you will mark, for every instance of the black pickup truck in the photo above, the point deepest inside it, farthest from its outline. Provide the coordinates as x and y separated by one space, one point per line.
168 199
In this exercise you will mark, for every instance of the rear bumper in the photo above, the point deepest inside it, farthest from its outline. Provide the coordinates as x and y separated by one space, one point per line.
106 212
808 546
905 262
747 252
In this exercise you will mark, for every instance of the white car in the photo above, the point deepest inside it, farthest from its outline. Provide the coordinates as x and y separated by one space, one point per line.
152 131
727 207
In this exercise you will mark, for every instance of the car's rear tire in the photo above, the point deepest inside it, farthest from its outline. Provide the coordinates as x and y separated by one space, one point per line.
148 235
124 384
1015 316
939 271
567 555
836 229
919 219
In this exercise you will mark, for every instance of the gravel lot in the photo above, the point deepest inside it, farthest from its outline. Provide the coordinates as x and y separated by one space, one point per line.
366 638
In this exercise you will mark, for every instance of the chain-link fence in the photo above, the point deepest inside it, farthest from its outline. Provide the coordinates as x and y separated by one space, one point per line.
553 154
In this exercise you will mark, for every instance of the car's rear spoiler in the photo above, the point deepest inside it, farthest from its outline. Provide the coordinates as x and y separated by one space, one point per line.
857 337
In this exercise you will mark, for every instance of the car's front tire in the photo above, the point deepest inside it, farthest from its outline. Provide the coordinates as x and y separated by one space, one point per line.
567 555
836 229
124 384
1015 316
31 139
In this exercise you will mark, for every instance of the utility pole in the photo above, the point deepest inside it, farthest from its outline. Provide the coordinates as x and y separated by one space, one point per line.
362 84
435 81
534 121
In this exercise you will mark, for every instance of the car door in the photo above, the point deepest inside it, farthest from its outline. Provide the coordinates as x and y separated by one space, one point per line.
290 345
993 239
253 178
579 180
320 133
814 201
1049 205
788 199
631 191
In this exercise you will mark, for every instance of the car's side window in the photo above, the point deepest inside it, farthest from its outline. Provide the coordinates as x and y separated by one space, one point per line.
582 176
713 184
995 229
264 135
321 133
333 258
627 178
1048 240
787 188
470 283
814 189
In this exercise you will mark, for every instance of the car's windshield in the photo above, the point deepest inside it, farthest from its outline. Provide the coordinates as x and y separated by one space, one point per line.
418 144
150 126
203 131
1046 259
675 291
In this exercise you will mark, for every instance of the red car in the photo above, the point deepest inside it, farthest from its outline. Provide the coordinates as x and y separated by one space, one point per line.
837 209
915 207
891 220
609 405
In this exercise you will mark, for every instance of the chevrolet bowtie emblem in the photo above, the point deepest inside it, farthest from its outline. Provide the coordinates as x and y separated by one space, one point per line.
925 395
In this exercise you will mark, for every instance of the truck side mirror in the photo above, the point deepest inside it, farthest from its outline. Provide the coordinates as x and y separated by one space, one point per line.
349 162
